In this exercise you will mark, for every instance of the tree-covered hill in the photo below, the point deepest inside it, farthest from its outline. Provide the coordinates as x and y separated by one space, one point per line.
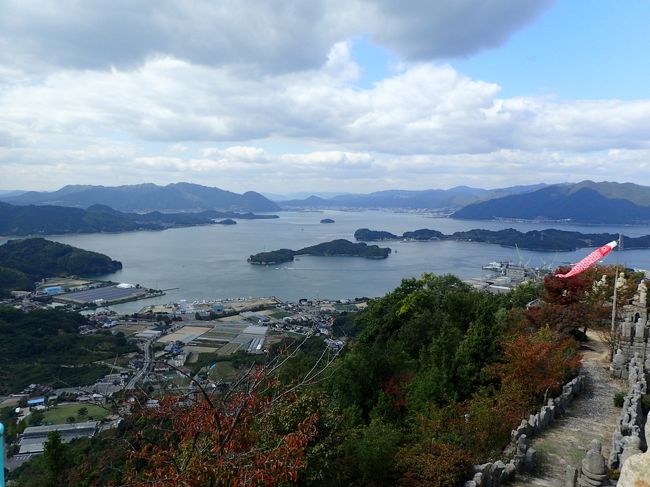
15 280
47 219
39 258
45 347
345 248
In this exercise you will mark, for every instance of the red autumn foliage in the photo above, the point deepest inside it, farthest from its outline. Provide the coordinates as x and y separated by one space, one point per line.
569 290
395 388
218 441
536 363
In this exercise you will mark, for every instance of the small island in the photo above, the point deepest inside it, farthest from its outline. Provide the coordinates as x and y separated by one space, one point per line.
335 248
367 235
227 221
550 240
272 258
327 220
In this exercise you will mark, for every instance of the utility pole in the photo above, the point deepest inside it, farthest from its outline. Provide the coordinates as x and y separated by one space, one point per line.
618 252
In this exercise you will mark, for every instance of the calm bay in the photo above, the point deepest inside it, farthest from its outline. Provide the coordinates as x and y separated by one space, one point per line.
209 262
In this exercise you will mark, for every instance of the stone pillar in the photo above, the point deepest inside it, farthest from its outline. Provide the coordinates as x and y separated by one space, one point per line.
570 476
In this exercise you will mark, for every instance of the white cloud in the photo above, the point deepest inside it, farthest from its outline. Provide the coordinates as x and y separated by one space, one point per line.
269 36
424 109
239 153
218 94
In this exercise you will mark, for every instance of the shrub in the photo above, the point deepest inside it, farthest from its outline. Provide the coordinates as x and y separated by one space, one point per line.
619 399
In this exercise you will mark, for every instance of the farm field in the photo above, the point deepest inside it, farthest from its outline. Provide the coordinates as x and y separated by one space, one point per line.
60 414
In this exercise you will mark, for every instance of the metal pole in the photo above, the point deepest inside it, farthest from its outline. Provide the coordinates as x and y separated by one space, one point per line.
615 286
2 455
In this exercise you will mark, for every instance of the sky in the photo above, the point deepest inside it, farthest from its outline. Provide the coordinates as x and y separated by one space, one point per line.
288 96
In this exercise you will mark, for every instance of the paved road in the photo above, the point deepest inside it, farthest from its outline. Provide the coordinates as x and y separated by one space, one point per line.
145 367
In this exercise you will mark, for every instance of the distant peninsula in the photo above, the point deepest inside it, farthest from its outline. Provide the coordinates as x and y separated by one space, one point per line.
335 248
24 261
52 220
550 240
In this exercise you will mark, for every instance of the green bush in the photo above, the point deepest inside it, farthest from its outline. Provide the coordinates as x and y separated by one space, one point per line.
619 399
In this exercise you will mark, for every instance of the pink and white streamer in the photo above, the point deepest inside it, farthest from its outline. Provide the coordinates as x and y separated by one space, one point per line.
590 260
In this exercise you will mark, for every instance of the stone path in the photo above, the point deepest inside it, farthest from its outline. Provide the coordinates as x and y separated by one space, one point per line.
591 415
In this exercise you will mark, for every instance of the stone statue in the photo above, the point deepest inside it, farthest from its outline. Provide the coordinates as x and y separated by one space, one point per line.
620 280
618 363
594 469
636 468
643 293
639 331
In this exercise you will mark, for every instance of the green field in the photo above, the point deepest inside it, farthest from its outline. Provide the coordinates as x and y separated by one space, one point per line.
223 371
60 414
228 349
350 308
278 315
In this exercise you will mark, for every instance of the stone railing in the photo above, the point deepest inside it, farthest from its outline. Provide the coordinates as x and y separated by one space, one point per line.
521 453
628 438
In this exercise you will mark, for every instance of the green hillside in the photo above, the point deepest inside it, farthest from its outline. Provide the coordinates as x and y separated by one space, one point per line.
39 258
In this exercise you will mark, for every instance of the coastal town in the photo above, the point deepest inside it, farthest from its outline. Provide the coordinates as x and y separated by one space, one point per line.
178 347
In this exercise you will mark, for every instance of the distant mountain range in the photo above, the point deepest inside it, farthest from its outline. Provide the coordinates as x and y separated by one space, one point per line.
584 202
438 199
5 193
145 197
302 195
48 219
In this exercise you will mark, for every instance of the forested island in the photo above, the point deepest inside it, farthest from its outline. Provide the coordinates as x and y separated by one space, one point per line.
47 219
550 240
24 261
327 220
335 248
